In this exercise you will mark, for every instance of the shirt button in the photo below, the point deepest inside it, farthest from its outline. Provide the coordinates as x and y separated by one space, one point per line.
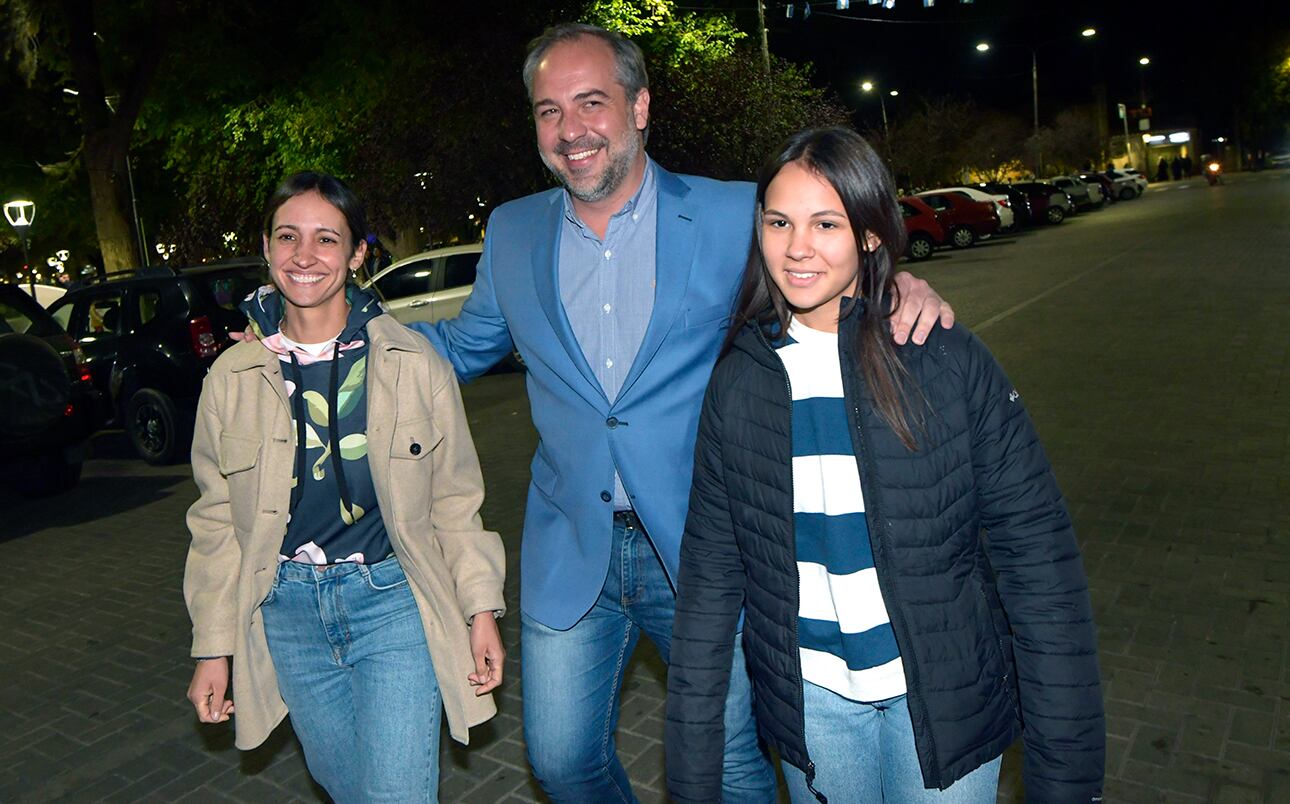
636 216
607 308
608 253
611 422
606 496
609 362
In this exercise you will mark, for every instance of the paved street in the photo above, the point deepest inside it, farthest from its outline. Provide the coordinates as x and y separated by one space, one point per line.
1150 342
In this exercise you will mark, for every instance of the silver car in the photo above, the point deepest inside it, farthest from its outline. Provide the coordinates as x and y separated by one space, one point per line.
430 285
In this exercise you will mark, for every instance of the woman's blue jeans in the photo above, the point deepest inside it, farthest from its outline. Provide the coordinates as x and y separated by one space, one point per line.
353 667
864 752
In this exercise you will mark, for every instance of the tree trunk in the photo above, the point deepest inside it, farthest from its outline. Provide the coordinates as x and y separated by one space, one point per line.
110 197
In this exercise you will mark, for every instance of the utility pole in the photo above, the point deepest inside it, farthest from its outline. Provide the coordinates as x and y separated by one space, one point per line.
765 46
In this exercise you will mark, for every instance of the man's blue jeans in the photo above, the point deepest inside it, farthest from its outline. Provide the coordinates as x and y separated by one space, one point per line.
572 680
353 667
865 752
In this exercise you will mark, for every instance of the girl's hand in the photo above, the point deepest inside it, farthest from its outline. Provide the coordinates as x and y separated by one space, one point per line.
486 645
207 690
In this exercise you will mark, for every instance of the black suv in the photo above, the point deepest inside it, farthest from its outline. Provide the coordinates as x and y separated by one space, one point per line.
48 406
149 340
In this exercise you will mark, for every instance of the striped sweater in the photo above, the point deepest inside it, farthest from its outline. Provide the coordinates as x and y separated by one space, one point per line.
846 640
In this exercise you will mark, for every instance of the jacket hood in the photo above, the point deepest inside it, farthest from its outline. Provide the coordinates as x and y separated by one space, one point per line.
264 311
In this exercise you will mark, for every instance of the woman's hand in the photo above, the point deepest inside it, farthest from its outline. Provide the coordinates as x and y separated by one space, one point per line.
486 645
207 690
920 307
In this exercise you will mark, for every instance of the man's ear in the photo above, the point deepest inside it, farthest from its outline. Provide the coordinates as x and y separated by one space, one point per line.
640 110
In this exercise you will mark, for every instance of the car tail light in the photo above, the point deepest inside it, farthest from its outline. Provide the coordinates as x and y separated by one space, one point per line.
69 410
82 365
199 329
1003 202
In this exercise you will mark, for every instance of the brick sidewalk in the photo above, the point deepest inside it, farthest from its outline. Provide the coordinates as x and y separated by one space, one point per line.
1157 372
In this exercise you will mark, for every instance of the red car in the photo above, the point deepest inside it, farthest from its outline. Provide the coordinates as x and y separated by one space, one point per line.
966 221
924 231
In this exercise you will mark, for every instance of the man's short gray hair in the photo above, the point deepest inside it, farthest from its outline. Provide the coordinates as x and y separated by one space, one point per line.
628 58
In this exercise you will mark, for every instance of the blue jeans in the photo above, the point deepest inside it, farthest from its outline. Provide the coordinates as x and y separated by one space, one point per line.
865 752
572 680
353 667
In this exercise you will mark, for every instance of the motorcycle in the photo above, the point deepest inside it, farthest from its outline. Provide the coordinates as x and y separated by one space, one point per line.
1214 173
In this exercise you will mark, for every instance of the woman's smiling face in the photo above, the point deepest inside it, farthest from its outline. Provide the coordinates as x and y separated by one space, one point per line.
310 252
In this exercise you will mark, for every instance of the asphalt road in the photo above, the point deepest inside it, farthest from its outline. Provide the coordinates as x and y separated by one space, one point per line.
1149 342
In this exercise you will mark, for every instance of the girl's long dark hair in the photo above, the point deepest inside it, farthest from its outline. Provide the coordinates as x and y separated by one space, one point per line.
843 159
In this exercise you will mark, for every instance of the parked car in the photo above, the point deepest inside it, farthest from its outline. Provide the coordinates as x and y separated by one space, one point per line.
1004 211
1129 182
1047 202
48 405
1107 186
431 286
1018 201
1082 194
149 339
923 230
965 221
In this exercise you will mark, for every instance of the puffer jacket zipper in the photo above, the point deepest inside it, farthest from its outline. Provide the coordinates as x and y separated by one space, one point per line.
809 770
852 391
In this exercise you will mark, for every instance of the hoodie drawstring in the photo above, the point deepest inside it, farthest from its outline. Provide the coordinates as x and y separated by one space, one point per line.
333 431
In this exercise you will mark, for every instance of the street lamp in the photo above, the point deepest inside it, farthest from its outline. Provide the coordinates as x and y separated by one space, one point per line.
21 214
983 47
1142 81
869 86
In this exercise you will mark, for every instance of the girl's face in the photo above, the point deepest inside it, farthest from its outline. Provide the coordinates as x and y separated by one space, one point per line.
310 253
809 246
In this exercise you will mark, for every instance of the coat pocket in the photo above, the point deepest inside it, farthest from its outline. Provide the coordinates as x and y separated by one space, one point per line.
411 469
238 457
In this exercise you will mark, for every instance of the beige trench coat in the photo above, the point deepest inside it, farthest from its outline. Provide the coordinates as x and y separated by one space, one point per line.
429 486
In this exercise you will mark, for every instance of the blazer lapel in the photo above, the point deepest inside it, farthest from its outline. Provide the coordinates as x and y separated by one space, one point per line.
674 251
546 267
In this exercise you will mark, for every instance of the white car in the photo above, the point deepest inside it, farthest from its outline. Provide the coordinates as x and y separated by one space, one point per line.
1129 178
1001 204
430 285
1084 195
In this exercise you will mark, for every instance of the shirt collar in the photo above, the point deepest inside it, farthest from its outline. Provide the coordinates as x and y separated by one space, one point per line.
646 192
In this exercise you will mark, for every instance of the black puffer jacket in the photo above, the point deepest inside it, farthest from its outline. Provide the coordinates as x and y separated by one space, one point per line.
962 605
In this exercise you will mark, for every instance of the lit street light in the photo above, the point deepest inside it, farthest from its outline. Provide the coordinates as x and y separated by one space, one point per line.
869 86
21 215
983 47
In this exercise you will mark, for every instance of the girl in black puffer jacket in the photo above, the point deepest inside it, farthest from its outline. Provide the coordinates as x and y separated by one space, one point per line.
842 485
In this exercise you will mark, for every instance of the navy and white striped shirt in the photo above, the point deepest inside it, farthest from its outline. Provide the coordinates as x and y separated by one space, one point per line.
847 644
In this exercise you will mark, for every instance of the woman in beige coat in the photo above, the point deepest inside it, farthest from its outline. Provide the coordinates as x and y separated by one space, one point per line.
338 558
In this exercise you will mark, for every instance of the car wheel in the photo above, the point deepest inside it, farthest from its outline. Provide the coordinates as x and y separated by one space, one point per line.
920 247
47 474
1055 215
153 426
962 237
1127 193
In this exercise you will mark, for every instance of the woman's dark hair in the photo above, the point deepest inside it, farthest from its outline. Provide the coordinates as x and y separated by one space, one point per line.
333 190
842 158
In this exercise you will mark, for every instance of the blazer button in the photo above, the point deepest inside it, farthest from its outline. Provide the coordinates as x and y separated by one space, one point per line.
611 422
415 449
606 496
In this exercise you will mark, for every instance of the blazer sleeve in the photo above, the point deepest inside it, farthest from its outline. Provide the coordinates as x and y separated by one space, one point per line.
478 337
1031 546
214 555
710 595
475 557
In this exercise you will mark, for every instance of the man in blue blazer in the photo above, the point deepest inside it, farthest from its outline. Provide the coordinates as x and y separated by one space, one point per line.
616 289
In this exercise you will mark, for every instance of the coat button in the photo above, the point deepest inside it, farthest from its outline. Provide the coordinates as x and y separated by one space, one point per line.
606 496
415 449
611 422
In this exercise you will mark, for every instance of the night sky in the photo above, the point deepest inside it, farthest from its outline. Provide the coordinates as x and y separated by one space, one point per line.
1198 52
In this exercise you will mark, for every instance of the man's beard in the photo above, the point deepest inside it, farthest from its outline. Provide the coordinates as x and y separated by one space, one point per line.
620 164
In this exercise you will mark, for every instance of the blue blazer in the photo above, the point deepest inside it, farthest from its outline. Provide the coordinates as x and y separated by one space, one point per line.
648 432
